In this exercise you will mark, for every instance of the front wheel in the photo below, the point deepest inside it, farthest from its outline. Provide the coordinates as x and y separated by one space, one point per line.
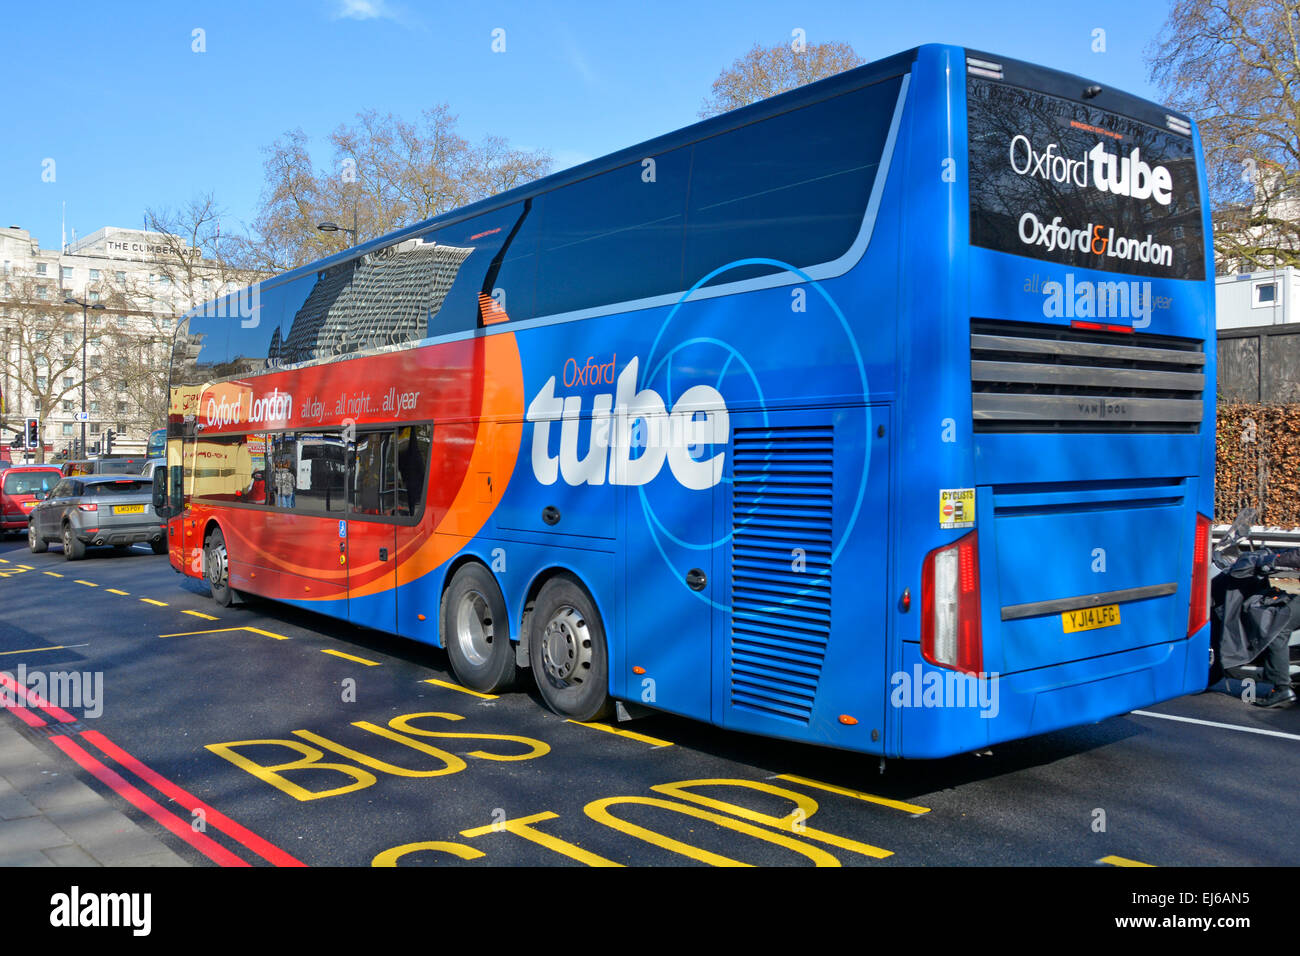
216 567
476 633
567 652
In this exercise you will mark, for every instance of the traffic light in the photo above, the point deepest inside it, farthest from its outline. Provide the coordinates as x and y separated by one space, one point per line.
33 433
108 441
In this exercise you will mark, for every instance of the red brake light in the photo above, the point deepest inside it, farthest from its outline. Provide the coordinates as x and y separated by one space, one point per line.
1198 614
950 606
88 507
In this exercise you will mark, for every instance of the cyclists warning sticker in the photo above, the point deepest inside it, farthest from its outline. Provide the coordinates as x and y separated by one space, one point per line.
957 508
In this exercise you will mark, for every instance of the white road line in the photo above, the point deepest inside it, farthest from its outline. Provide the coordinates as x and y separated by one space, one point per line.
1215 723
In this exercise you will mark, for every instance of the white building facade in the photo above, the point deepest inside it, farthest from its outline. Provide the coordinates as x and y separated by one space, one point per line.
143 286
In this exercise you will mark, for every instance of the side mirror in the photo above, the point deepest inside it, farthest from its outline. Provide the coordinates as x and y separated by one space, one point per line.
160 503
177 493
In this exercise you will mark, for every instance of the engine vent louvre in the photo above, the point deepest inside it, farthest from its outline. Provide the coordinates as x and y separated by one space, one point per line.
1049 378
780 568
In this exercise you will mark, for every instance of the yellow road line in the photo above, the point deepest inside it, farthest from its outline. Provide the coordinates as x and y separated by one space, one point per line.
630 734
89 584
223 630
116 591
463 690
53 574
153 602
1122 861
350 657
855 794
34 650
206 617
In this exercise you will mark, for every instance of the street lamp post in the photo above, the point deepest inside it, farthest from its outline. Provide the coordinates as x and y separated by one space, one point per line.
85 336
334 227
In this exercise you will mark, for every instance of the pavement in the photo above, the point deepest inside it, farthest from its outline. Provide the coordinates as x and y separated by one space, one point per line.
49 818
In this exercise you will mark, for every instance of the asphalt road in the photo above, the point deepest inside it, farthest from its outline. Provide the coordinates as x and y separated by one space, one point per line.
383 760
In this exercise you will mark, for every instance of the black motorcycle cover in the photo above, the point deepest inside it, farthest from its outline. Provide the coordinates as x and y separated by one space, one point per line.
1249 613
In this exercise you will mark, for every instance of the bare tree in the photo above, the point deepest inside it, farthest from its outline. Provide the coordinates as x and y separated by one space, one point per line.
40 348
1234 66
386 173
767 71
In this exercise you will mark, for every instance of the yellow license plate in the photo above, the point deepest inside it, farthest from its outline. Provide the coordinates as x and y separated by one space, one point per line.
128 509
1090 618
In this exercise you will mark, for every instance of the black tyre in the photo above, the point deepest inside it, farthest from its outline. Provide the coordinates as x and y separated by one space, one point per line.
74 549
216 568
35 542
476 632
567 652
159 546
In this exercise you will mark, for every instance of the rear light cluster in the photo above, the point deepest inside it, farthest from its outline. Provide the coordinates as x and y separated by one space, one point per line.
1198 615
88 507
1101 327
950 606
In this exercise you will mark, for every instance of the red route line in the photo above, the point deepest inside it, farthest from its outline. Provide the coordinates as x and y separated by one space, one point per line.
204 844
30 719
36 700
266 850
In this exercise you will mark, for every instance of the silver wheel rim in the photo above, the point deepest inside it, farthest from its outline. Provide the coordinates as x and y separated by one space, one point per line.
566 647
475 628
67 539
31 535
217 565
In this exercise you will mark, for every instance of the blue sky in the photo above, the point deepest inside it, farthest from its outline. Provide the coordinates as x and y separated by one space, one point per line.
133 117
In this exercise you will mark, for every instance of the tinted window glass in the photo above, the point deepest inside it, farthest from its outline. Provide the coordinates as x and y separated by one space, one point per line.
29 482
413 446
254 330
109 489
792 188
312 477
614 237
474 255
62 490
223 467
374 478
201 350
1034 164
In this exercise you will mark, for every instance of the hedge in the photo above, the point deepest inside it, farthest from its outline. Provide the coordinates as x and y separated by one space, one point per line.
1258 452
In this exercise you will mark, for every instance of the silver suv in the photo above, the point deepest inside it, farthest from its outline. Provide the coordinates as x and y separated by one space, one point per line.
86 510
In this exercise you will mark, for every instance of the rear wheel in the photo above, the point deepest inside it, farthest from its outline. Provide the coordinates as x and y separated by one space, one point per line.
216 566
476 633
35 542
567 652
159 546
74 549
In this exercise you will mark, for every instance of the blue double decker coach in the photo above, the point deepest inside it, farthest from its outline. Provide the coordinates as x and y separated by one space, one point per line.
876 415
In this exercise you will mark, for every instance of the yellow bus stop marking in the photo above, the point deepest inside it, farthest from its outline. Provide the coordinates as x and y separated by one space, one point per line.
1122 861
630 734
89 584
53 574
855 794
350 657
116 591
463 690
224 630
206 617
153 602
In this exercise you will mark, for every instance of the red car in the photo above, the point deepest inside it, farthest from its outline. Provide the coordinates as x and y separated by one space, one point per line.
21 487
